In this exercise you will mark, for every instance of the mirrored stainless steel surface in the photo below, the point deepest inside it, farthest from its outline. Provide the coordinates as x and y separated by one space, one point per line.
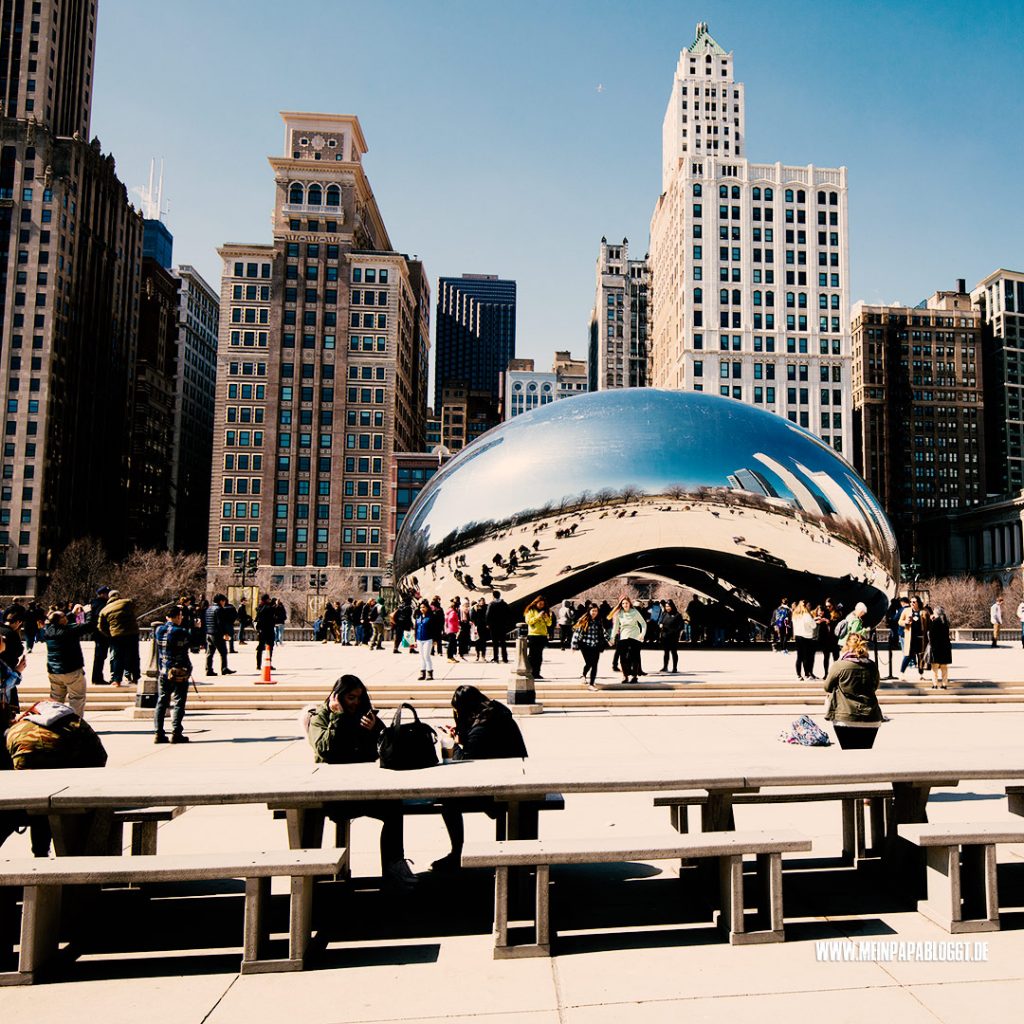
735 502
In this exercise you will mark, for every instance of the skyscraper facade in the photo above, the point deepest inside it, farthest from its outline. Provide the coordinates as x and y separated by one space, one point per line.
749 261
321 335
70 258
188 525
618 356
999 299
475 333
918 411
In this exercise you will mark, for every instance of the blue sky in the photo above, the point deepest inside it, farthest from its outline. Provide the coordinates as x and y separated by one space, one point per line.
491 149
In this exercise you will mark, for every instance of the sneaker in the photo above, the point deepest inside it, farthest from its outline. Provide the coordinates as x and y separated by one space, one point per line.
160 737
399 873
447 863
179 737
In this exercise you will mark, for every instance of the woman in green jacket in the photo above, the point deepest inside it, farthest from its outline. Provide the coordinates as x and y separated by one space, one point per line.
852 683
628 631
344 730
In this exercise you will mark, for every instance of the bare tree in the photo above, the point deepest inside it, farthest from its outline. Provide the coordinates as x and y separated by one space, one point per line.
154 579
83 565
965 599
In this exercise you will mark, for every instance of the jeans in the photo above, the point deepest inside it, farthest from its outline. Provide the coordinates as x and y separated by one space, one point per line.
279 633
346 627
629 658
124 658
261 643
535 647
425 663
591 656
216 644
166 690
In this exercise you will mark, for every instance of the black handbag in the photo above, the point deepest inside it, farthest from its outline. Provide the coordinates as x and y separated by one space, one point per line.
406 745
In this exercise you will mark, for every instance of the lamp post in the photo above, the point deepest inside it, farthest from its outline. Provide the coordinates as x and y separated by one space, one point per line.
318 580
246 569
911 571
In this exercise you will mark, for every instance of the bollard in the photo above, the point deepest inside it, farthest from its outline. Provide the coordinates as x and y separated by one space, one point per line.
522 694
146 687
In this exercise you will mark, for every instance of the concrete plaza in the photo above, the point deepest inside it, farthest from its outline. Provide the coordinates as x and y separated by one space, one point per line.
635 944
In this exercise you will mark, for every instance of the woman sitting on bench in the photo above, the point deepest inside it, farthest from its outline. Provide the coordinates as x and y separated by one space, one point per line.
483 729
344 730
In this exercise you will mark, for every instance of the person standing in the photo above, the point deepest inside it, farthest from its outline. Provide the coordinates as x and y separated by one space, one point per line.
100 648
803 633
782 626
995 614
910 624
671 623
232 613
654 613
628 631
280 618
346 626
117 622
437 618
590 640
331 623
478 622
64 662
940 650
244 621
497 626
376 617
217 624
35 619
564 618
465 628
13 652
401 622
451 628
538 625
423 626
266 631
174 670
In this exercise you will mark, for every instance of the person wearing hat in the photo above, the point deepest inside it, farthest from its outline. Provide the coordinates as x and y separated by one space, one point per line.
100 648
118 623
174 670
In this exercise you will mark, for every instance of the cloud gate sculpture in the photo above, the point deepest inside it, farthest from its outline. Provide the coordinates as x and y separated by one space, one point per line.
725 498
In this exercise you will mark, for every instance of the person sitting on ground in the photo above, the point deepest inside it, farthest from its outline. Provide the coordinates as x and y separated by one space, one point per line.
484 729
344 730
852 683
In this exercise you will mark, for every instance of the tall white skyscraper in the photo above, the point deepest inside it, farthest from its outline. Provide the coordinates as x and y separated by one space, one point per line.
749 261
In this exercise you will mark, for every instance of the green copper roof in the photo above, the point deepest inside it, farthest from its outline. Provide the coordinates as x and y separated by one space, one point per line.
704 42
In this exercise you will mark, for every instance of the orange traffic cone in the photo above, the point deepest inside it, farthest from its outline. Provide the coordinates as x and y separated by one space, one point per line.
266 680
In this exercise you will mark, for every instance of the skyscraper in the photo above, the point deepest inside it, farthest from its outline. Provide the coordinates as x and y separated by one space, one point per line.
749 262
307 415
70 256
475 333
195 388
918 413
999 298
618 354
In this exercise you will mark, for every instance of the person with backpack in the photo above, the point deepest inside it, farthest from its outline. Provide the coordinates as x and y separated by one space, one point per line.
853 623
401 623
375 617
782 626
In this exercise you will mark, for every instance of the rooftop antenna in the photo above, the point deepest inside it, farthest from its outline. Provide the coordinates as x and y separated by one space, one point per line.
152 199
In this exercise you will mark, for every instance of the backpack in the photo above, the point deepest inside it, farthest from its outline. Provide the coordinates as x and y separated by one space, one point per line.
780 618
805 732
68 742
843 629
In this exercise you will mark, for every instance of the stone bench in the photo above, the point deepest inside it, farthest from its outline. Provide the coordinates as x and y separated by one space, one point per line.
855 840
728 848
525 825
963 894
144 822
42 882
1015 799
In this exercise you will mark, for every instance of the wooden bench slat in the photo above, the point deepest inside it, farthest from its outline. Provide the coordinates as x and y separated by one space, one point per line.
605 849
781 794
963 833
170 867
137 814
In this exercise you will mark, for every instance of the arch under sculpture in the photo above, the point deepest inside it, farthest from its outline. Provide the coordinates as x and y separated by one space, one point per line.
735 502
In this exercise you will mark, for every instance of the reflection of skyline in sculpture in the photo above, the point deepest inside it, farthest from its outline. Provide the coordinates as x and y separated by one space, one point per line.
728 499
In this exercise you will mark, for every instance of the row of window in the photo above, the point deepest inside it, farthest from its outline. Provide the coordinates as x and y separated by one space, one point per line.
767 344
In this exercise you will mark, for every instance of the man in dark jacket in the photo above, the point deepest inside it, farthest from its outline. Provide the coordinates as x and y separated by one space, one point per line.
13 652
265 623
174 669
497 626
64 662
117 622
218 623
100 646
